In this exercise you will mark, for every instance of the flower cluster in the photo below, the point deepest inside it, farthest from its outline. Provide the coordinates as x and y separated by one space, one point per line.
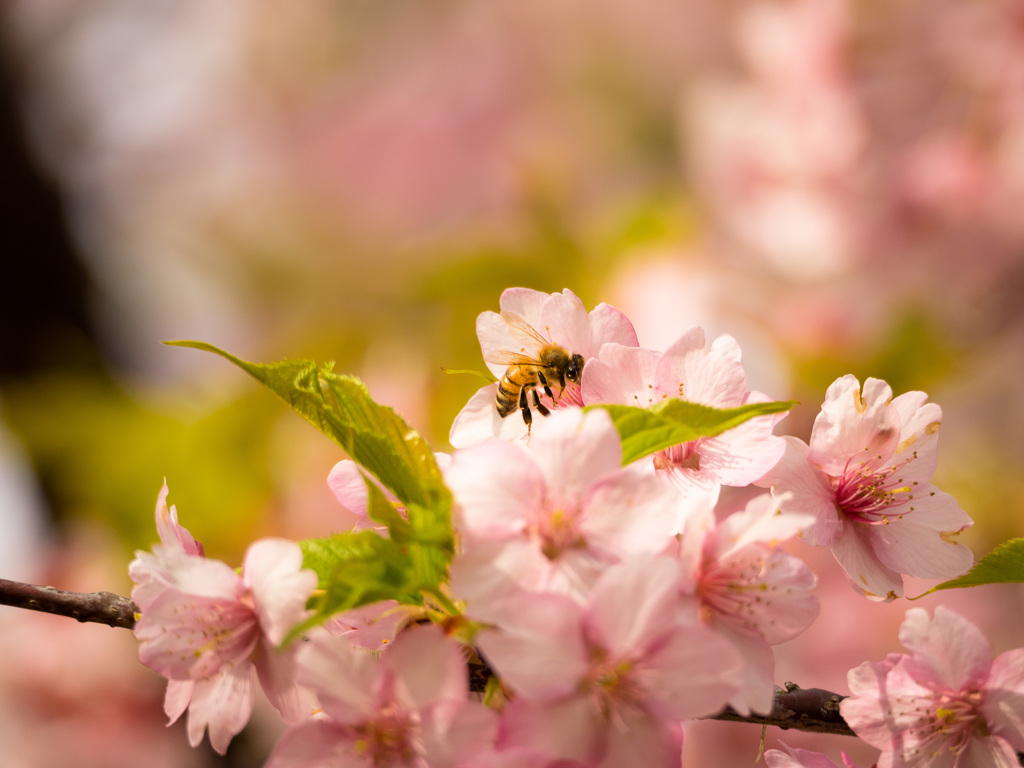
611 599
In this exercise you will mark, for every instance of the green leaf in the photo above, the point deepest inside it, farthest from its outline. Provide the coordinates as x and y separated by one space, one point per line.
1003 564
355 569
339 406
364 567
671 422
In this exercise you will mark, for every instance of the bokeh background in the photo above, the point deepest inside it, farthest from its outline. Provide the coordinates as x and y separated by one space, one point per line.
838 184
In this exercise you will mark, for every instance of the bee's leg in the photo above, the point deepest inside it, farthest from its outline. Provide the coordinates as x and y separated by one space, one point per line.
524 406
544 383
539 405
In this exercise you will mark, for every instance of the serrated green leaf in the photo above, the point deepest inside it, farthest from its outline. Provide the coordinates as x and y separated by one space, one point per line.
1003 564
374 435
364 567
671 422
355 569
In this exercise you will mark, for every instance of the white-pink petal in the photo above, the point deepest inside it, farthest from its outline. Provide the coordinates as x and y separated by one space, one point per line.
496 486
853 550
479 421
633 605
715 377
280 585
574 450
955 651
429 665
923 541
538 649
1003 698
691 673
802 488
854 423
621 374
342 676
222 704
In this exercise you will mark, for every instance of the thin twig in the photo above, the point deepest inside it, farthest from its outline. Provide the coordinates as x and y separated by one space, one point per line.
100 607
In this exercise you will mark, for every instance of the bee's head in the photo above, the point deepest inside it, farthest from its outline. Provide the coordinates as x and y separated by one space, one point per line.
574 372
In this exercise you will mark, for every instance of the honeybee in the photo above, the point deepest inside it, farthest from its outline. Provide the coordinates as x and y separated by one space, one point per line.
548 365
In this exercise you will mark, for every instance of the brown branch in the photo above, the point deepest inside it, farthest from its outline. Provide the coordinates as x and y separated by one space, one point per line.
100 607
804 709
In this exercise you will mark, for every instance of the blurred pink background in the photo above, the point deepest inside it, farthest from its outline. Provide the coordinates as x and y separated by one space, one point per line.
839 185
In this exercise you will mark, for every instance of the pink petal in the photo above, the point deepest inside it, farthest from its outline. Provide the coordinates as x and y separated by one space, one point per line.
564 320
854 423
372 626
801 488
761 592
640 740
317 743
177 698
714 378
171 533
431 667
621 374
524 302
276 670
609 326
923 541
742 455
479 421
489 571
280 585
496 486
756 674
348 486
885 704
919 435
223 704
633 605
454 731
853 550
692 673
949 647
1003 702
498 338
539 649
187 637
797 758
631 513
565 728
344 677
990 752
574 450
761 521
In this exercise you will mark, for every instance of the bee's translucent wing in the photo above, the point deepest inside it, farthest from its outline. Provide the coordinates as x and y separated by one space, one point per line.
508 357
525 336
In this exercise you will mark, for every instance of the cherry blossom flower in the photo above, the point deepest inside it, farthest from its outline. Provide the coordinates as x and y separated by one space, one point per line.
865 479
946 704
560 317
553 515
802 758
409 708
153 571
607 683
713 377
211 632
751 593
